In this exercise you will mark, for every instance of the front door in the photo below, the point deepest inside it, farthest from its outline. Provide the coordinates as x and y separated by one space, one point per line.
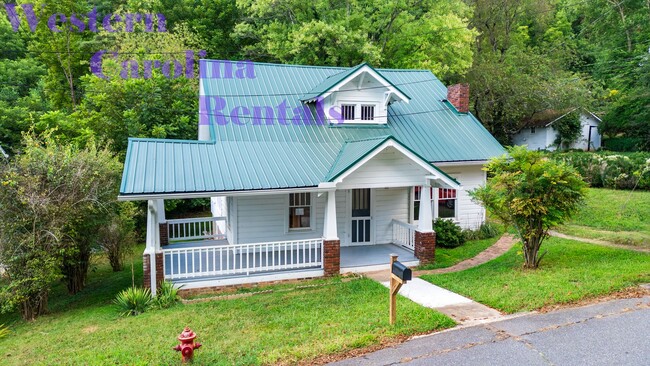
361 220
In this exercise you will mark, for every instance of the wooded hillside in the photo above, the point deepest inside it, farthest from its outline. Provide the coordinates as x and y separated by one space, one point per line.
519 56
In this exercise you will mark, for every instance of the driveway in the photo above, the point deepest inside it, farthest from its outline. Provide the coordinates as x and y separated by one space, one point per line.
613 332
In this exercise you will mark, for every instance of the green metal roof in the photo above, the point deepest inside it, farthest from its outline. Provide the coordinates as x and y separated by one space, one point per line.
266 154
352 152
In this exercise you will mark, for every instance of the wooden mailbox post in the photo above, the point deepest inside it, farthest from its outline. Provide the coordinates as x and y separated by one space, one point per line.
399 275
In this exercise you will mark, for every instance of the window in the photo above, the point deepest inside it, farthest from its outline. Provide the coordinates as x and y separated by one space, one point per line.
443 202
367 112
446 203
348 112
532 130
299 210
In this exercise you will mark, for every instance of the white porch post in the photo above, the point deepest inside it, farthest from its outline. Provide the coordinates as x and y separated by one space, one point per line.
425 225
160 209
329 227
152 241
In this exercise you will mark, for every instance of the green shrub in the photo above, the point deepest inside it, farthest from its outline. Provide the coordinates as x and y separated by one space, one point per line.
610 170
166 295
487 230
134 301
448 233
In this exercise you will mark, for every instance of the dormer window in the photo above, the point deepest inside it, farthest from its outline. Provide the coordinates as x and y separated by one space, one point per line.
347 112
359 95
367 112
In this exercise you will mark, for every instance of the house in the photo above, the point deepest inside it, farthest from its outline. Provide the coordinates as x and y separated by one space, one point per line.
311 171
539 134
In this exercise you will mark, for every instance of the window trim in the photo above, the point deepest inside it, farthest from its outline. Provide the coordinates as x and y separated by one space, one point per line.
435 194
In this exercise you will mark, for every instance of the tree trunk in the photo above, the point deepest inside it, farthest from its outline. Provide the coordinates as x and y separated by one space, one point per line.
34 306
76 270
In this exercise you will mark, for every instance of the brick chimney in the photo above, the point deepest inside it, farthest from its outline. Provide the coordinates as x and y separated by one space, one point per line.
458 95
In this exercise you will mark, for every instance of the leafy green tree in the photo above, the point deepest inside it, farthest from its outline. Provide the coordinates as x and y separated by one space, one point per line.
533 193
414 34
53 200
568 129
522 64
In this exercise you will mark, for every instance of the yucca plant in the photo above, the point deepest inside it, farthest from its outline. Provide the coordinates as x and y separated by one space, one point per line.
134 301
166 295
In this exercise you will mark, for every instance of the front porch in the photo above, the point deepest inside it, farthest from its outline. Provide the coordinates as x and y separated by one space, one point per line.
194 256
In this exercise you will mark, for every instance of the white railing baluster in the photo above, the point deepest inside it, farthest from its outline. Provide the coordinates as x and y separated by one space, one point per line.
182 263
194 229
404 234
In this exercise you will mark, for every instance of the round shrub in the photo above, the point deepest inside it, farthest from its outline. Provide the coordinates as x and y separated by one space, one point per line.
448 234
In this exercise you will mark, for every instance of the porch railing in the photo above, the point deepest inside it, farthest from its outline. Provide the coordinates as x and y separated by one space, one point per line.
242 259
195 229
404 234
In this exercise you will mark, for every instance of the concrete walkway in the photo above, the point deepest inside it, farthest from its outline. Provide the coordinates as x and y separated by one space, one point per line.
461 309
597 242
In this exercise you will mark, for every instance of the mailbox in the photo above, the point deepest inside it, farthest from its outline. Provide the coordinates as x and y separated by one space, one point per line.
401 271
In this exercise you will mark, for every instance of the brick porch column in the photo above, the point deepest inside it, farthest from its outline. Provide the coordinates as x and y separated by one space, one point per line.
164 235
146 268
332 258
425 246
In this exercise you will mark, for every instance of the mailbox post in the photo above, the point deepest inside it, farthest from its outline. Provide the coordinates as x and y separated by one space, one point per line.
399 275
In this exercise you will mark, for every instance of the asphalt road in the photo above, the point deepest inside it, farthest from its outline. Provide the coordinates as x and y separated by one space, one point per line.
610 333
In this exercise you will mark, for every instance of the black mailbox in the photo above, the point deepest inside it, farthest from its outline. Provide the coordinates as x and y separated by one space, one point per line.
401 271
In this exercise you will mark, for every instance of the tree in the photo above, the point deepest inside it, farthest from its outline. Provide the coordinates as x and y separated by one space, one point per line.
415 34
53 200
532 193
568 129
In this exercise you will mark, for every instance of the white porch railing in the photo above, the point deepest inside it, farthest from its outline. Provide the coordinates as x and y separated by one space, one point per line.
241 259
404 234
195 229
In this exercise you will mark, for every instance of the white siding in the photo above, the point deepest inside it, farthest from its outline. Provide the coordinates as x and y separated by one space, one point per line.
587 122
542 139
390 204
389 168
470 215
265 218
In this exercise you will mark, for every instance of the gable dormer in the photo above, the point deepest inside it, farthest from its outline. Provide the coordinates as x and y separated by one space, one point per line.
359 95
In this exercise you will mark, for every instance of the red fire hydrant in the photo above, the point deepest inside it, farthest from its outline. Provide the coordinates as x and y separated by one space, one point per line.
187 346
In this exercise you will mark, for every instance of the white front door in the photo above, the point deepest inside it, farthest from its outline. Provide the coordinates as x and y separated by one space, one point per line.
361 232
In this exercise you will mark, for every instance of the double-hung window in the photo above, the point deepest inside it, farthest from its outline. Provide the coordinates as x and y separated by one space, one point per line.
443 203
447 203
299 211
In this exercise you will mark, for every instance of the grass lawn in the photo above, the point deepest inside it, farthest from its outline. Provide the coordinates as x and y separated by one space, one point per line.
570 271
282 326
617 216
447 257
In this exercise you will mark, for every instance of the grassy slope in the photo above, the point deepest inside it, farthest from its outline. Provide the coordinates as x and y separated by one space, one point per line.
447 257
283 325
618 216
570 271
